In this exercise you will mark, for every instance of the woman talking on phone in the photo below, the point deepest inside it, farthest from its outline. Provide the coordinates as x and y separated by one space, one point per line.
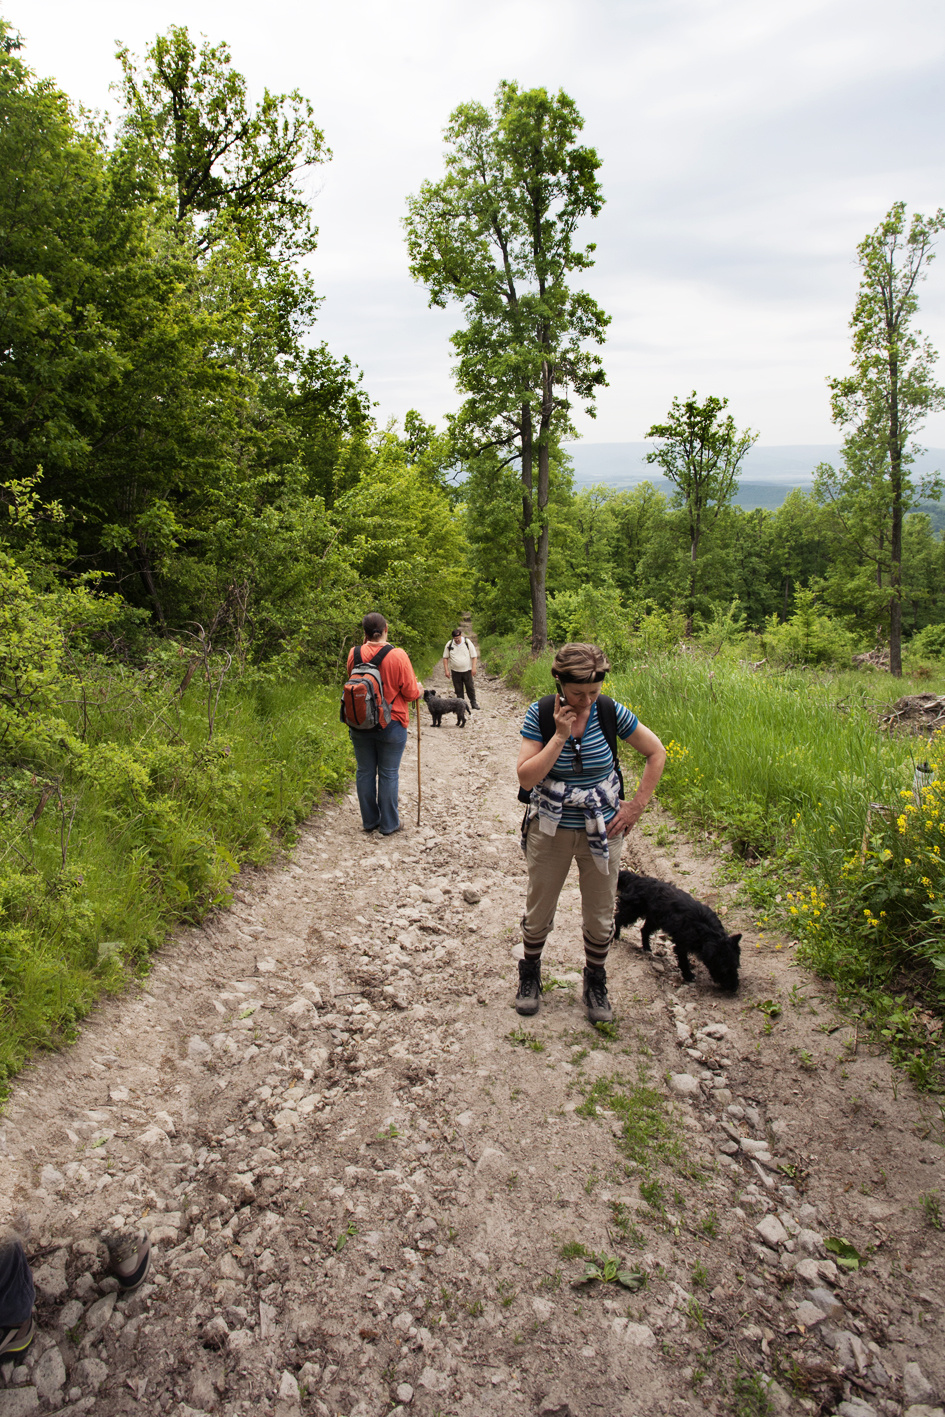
569 774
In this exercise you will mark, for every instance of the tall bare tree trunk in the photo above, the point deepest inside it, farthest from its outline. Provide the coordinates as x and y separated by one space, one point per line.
144 564
534 512
895 539
693 560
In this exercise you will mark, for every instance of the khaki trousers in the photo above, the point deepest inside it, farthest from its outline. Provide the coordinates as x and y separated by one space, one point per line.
549 861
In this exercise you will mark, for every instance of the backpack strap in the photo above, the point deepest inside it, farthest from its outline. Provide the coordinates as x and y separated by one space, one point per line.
606 717
546 717
378 658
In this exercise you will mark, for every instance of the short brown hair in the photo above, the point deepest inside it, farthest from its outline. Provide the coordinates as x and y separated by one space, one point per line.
373 625
580 664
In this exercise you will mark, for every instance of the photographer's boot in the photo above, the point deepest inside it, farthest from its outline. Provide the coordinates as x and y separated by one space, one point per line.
528 998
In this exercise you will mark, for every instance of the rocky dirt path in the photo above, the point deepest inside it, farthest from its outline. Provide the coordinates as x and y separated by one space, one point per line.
371 1189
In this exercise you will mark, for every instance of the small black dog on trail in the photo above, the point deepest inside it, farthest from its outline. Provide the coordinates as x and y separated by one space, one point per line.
692 926
438 707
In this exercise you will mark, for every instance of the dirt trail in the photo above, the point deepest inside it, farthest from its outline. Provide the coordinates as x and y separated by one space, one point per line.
367 1183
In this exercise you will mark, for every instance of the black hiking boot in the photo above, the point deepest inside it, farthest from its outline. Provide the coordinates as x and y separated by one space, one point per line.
595 998
528 998
15 1341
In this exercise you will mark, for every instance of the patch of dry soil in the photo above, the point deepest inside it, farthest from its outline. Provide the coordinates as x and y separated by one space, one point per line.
361 1173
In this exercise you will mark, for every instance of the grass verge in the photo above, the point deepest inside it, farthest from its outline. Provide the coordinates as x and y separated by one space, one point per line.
135 817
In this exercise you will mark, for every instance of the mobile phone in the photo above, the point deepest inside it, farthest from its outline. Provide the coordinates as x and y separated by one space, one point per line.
561 699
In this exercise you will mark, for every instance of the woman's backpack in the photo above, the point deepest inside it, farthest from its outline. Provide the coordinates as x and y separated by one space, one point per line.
363 704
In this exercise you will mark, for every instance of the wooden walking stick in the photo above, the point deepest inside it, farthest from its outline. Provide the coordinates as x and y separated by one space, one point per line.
418 761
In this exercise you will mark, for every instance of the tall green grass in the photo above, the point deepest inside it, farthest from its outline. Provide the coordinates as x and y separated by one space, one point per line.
749 751
789 766
137 818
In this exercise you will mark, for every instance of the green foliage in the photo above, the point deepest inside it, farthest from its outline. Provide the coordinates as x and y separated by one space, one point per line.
749 1394
931 1204
497 235
647 1133
928 643
808 637
923 574
225 476
604 1269
700 454
122 816
230 167
348 1233
56 244
593 614
885 911
619 568
883 403
526 1039
845 1254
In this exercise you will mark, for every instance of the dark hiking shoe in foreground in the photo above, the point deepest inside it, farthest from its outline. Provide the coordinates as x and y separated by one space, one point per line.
15 1341
528 998
129 1259
595 998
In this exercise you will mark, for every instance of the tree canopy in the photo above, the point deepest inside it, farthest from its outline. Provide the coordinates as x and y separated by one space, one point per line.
159 382
499 235
228 165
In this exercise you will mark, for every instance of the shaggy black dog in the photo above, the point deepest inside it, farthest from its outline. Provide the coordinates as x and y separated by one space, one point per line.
692 926
438 707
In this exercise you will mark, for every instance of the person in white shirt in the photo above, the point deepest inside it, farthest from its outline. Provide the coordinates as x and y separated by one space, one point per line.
460 659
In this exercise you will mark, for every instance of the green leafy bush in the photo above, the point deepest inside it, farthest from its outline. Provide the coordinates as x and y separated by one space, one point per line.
808 637
928 643
593 614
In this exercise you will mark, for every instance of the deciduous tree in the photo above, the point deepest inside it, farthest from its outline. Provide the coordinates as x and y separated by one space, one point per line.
499 235
884 401
57 347
700 454
229 165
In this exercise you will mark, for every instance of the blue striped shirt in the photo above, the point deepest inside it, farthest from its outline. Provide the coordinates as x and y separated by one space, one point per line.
596 758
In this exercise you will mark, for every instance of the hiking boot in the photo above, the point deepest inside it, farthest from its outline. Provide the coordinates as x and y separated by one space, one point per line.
15 1341
595 998
528 998
129 1258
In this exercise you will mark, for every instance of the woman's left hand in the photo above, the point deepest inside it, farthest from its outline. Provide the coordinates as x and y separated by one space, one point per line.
626 817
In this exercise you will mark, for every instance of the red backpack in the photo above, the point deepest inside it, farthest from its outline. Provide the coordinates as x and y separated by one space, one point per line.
363 704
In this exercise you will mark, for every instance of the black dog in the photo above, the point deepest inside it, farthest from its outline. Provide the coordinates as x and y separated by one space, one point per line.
692 926
438 707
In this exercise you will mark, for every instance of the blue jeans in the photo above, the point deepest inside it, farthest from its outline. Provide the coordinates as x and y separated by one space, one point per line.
16 1286
378 752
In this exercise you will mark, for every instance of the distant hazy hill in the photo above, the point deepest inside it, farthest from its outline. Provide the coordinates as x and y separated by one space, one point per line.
769 472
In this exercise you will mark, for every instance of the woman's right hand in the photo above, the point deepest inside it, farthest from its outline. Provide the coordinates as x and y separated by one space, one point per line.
564 719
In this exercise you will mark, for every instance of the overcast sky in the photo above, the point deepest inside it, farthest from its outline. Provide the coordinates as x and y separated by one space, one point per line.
747 147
